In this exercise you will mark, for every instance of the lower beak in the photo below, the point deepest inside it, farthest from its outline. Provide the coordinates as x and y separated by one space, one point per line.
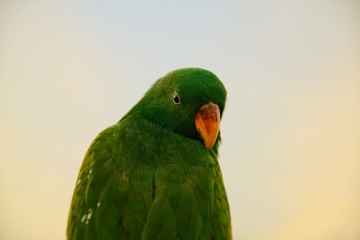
207 121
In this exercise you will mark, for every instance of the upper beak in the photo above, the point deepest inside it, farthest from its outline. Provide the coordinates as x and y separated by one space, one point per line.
207 121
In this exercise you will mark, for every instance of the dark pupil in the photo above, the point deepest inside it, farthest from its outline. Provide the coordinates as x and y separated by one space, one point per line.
176 99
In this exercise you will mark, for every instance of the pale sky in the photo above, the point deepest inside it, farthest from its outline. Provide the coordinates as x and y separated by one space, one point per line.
291 129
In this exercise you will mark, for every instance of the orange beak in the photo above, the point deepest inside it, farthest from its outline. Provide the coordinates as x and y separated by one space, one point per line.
207 123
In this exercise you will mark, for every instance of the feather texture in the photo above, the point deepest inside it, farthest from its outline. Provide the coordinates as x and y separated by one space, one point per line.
141 179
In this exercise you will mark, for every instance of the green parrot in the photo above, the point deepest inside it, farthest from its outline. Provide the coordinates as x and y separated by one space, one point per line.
155 173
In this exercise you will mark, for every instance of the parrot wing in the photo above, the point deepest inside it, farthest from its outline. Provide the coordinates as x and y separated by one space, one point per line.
171 194
112 194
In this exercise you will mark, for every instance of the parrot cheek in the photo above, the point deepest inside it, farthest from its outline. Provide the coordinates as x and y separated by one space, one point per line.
207 121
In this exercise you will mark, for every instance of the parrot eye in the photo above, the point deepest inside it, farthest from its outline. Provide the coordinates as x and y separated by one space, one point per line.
176 98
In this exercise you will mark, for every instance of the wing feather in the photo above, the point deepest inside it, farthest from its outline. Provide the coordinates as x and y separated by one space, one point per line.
176 192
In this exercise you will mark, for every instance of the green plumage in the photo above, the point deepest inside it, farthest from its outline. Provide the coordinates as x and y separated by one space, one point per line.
149 176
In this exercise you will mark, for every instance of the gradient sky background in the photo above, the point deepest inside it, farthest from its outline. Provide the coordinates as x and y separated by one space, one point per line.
291 130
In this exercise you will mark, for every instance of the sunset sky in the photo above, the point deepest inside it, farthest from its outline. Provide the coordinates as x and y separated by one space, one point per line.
290 155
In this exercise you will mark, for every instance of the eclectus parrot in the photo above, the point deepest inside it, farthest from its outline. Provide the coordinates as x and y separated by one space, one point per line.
155 173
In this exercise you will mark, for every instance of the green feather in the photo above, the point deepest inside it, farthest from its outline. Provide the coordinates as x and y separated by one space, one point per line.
149 176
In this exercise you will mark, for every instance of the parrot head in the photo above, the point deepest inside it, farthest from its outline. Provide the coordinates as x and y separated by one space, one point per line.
187 101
